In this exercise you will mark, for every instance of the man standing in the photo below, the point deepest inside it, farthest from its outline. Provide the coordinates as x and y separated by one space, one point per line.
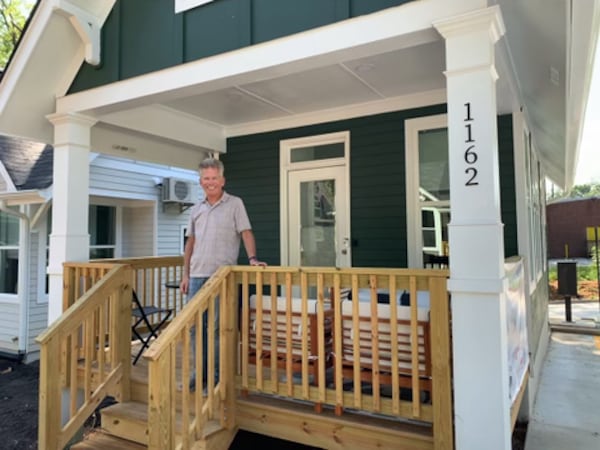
216 226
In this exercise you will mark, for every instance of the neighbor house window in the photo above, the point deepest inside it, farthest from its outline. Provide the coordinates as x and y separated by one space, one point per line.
9 253
103 227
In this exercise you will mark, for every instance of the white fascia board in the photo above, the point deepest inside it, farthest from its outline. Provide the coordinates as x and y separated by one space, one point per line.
25 48
171 124
10 186
583 40
23 197
386 30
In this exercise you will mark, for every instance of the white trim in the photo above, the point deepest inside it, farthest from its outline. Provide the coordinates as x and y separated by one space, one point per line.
184 5
9 299
400 103
286 166
414 235
10 186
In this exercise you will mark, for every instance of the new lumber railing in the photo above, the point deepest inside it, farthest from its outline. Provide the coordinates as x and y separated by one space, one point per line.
93 337
288 345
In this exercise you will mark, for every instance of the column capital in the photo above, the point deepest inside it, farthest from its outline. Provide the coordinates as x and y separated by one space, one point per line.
71 118
489 19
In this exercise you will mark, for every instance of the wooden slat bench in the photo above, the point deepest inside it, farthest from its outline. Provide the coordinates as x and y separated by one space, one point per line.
367 345
285 343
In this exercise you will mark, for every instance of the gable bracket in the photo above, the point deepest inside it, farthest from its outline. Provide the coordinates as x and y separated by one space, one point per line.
88 27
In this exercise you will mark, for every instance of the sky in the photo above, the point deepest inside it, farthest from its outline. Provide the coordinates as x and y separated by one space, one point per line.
588 167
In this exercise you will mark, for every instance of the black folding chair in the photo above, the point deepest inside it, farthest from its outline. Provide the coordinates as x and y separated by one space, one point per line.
143 324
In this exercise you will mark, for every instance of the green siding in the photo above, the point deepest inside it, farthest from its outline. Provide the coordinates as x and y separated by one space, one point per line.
508 202
217 27
142 36
378 200
378 197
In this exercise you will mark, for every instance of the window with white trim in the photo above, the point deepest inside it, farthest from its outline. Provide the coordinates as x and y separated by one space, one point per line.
427 188
103 231
9 253
534 202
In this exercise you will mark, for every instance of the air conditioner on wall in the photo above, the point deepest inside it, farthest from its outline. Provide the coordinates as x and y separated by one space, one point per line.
179 191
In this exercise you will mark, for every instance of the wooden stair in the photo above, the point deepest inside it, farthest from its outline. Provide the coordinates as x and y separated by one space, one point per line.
101 440
125 426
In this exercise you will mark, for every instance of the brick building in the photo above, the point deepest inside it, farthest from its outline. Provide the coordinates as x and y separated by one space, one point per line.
568 222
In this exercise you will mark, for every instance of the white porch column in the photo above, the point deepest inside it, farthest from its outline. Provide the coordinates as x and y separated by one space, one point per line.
481 396
69 238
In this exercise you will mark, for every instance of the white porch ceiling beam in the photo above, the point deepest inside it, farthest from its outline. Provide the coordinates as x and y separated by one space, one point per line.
125 143
394 28
170 124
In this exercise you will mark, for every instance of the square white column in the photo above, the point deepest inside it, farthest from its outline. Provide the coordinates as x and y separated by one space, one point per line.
477 279
69 238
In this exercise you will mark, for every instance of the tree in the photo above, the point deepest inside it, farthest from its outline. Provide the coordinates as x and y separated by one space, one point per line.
12 20
577 191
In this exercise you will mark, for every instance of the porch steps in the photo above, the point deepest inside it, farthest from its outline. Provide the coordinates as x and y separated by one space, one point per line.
100 440
129 420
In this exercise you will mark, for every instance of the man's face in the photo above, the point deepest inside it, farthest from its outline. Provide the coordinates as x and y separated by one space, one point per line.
212 182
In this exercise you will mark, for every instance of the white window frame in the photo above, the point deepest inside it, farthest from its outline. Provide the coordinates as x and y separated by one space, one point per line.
414 226
184 5
117 247
9 295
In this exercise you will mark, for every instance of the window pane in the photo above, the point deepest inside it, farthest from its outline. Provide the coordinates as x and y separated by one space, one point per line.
9 269
433 165
101 253
317 152
102 225
9 230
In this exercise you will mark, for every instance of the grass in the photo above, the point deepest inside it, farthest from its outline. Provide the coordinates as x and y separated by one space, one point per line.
584 273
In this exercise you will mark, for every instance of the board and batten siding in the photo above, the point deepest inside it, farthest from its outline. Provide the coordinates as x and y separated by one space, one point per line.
131 45
377 183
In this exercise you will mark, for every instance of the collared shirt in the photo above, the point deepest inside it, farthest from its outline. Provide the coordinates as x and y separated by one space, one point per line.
217 231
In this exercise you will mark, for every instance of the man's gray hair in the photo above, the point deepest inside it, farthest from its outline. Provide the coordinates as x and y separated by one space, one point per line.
212 163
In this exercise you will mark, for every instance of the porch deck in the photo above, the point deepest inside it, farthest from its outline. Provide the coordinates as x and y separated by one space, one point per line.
260 389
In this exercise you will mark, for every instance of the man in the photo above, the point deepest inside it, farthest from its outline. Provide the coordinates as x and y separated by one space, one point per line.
215 228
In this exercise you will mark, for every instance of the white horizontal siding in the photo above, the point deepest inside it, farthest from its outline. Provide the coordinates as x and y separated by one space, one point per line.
9 326
138 232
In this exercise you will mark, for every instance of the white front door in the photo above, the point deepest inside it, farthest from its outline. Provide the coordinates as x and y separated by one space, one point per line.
318 218
315 201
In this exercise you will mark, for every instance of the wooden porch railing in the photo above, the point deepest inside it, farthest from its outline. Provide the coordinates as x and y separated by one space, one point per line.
303 364
153 278
93 336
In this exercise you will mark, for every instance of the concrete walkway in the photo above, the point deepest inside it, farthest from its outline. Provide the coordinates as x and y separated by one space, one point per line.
566 412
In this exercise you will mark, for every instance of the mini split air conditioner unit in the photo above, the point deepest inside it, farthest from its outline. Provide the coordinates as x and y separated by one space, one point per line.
179 191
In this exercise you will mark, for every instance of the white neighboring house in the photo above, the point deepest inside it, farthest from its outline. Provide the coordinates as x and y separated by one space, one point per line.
131 213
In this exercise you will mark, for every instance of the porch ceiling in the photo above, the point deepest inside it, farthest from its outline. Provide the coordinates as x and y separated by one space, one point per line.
339 71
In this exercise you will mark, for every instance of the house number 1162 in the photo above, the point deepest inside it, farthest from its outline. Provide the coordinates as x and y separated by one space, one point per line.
470 155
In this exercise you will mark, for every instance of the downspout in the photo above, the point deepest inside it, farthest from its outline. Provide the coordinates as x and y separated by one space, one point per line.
22 277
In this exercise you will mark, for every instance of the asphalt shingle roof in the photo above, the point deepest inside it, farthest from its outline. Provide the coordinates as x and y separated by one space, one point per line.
28 163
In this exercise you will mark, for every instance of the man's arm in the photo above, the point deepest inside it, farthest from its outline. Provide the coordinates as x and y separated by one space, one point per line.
187 257
250 246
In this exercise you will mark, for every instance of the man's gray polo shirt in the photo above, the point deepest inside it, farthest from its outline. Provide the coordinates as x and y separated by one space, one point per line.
216 229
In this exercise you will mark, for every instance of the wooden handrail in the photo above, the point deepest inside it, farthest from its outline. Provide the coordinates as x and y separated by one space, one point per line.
92 339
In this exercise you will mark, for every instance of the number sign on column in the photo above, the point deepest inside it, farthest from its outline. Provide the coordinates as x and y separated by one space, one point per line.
470 155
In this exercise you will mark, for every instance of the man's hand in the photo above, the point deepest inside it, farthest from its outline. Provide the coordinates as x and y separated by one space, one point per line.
184 284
